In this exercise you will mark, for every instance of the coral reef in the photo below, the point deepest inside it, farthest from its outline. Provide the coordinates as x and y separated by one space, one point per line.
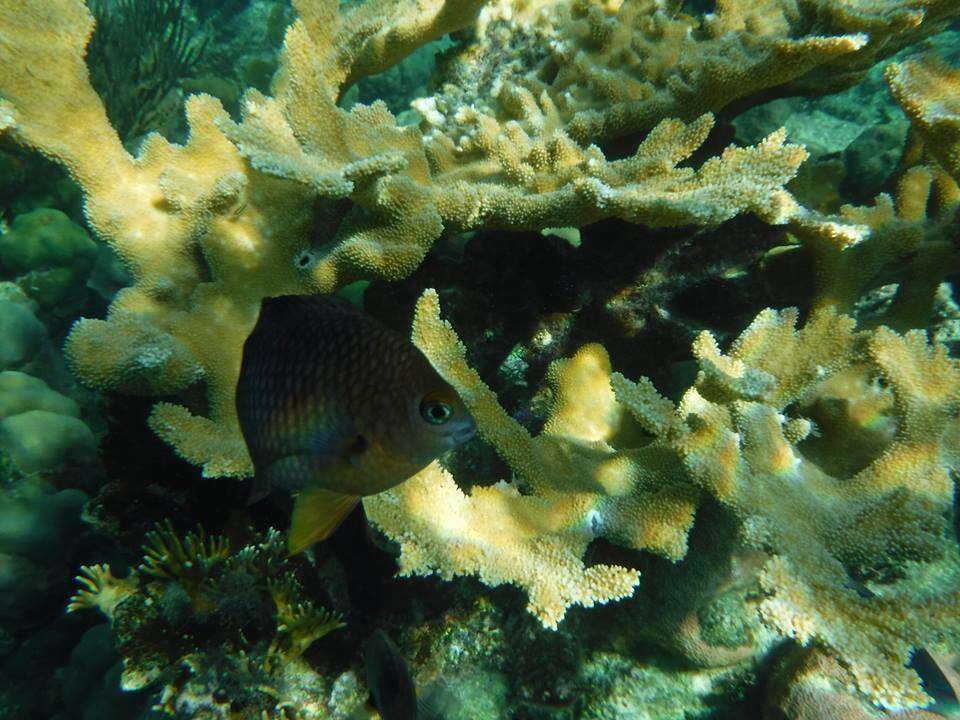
241 210
733 435
49 257
215 629
766 527
929 91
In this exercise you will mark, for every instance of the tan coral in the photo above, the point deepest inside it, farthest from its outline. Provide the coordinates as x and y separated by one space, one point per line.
808 684
909 241
615 68
740 434
928 90
100 590
579 485
744 447
501 537
252 210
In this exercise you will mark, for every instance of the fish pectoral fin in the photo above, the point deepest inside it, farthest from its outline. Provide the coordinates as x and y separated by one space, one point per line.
316 514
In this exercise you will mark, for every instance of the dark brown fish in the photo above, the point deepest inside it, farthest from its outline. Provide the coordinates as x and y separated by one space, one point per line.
389 679
334 406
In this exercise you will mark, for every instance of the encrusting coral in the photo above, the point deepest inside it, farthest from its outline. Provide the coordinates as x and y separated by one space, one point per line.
740 434
303 196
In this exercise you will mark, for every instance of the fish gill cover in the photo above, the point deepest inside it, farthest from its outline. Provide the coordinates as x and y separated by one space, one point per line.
689 265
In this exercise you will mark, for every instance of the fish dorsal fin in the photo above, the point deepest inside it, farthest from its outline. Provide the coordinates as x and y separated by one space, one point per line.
316 514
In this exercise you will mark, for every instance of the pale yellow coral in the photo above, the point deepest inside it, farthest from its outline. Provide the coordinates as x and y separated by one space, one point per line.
743 446
130 354
614 68
928 90
501 537
910 240
100 590
740 434
255 209
580 485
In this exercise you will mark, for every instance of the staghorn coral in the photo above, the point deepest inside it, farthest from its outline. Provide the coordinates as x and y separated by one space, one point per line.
100 590
299 622
909 241
928 90
241 210
614 68
744 448
579 484
739 435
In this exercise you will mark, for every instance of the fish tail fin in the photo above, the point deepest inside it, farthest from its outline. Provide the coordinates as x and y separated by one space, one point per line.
316 514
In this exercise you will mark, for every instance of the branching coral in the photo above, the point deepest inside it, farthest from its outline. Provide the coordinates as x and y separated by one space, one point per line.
241 211
580 485
745 449
191 602
739 434
100 590
909 241
928 90
189 561
613 68
299 622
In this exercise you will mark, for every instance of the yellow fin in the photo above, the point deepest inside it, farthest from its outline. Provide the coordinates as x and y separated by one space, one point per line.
316 514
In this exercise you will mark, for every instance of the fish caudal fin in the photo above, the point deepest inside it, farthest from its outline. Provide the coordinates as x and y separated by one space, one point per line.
316 514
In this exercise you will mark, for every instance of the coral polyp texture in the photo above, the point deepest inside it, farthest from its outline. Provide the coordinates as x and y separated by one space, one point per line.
928 90
910 238
760 432
302 195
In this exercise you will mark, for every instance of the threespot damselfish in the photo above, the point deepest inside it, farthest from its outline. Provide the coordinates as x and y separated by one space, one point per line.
334 406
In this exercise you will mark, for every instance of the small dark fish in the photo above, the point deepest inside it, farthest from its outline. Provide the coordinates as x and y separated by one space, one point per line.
334 406
389 679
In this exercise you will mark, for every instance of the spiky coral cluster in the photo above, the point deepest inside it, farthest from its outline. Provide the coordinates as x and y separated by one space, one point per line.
241 211
744 433
190 599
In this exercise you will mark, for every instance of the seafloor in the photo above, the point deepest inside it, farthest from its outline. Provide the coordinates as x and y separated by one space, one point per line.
701 259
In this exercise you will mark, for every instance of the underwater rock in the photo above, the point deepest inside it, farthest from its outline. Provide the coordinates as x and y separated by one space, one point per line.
89 682
50 257
42 441
20 393
24 337
36 523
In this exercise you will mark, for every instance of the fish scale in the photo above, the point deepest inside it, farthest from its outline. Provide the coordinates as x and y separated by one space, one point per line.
335 406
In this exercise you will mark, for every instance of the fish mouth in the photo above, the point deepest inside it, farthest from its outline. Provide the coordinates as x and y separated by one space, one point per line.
464 433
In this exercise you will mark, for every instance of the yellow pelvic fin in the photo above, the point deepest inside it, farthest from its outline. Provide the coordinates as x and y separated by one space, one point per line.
316 514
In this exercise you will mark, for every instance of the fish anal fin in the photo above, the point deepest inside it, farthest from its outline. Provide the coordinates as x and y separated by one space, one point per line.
316 514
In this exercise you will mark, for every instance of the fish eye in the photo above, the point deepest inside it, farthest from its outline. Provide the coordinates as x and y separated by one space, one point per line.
435 412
